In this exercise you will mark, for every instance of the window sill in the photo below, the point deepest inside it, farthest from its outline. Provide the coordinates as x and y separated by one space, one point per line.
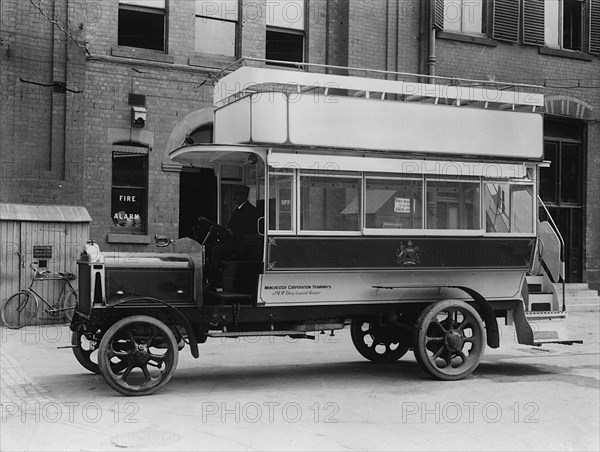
573 54
480 40
141 54
211 60
128 238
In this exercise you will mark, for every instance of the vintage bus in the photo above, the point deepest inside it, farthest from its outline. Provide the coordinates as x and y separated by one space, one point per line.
406 211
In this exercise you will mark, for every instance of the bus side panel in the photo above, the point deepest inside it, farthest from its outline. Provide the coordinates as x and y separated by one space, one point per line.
336 253
385 286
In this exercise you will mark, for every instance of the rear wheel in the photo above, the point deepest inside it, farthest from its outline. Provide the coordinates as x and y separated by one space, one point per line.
379 343
148 351
69 304
19 310
86 353
449 339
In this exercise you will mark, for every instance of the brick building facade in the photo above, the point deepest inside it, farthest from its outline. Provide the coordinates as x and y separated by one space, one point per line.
76 74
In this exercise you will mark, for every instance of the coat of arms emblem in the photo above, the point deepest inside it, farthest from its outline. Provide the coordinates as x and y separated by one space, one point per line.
409 254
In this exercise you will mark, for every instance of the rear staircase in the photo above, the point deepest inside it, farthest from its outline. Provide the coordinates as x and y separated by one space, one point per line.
547 297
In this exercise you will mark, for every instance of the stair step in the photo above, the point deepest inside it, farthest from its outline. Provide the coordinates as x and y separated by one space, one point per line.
588 304
578 293
534 279
572 286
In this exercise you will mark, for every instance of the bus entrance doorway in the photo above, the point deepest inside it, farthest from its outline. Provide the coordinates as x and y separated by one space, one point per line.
197 197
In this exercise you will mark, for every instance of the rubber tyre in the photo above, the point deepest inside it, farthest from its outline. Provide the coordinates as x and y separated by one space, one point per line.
387 343
69 304
19 310
130 340
440 341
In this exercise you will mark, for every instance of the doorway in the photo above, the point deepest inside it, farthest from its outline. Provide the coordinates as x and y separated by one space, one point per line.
562 188
197 197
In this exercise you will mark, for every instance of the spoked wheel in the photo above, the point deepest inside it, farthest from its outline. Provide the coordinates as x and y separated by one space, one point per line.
147 348
19 310
86 353
449 339
379 343
69 304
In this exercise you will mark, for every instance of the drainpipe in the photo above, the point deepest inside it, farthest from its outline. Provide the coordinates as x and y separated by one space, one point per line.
432 32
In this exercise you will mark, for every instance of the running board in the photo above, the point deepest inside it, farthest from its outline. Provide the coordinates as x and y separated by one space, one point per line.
549 327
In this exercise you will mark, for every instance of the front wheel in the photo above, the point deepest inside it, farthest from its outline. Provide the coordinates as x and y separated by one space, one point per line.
19 310
449 339
148 351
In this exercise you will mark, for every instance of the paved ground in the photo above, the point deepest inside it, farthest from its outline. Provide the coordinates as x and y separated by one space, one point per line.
277 394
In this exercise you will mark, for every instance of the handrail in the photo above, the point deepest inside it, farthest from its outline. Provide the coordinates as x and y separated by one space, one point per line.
562 247
433 78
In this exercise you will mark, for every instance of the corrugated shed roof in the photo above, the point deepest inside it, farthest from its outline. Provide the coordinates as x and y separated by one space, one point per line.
39 213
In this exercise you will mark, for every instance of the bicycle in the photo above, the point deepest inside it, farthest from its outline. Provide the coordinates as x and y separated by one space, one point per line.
21 308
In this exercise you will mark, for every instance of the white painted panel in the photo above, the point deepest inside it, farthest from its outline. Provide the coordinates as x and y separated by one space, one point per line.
269 118
330 162
249 78
415 127
146 3
232 123
316 288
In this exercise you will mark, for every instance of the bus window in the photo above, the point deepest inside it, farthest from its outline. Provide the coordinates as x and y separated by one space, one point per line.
394 204
522 208
508 208
453 205
281 200
496 203
330 203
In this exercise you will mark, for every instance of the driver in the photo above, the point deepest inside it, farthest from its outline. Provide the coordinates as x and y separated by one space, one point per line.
243 222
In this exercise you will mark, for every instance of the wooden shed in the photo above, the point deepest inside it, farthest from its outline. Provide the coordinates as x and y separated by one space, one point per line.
50 235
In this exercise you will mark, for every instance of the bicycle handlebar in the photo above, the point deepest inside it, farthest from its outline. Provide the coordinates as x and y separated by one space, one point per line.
48 274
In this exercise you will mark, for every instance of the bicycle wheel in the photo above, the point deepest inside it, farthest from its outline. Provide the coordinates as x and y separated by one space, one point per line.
19 310
68 305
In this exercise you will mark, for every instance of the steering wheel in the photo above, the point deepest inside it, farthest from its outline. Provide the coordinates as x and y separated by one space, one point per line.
214 230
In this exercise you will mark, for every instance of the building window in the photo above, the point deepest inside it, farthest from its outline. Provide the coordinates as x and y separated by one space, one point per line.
129 192
216 27
465 16
142 24
285 39
563 23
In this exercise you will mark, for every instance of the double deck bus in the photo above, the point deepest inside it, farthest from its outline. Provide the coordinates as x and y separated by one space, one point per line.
406 211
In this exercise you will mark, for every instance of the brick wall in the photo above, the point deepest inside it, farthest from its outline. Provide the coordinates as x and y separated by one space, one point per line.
40 127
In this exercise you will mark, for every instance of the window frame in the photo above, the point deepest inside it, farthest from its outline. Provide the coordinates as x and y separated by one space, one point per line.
396 177
460 179
114 229
277 27
364 177
484 24
237 33
294 199
511 183
145 9
560 26
340 175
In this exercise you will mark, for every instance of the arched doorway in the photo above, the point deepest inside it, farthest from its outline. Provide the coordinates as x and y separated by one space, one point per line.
197 188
